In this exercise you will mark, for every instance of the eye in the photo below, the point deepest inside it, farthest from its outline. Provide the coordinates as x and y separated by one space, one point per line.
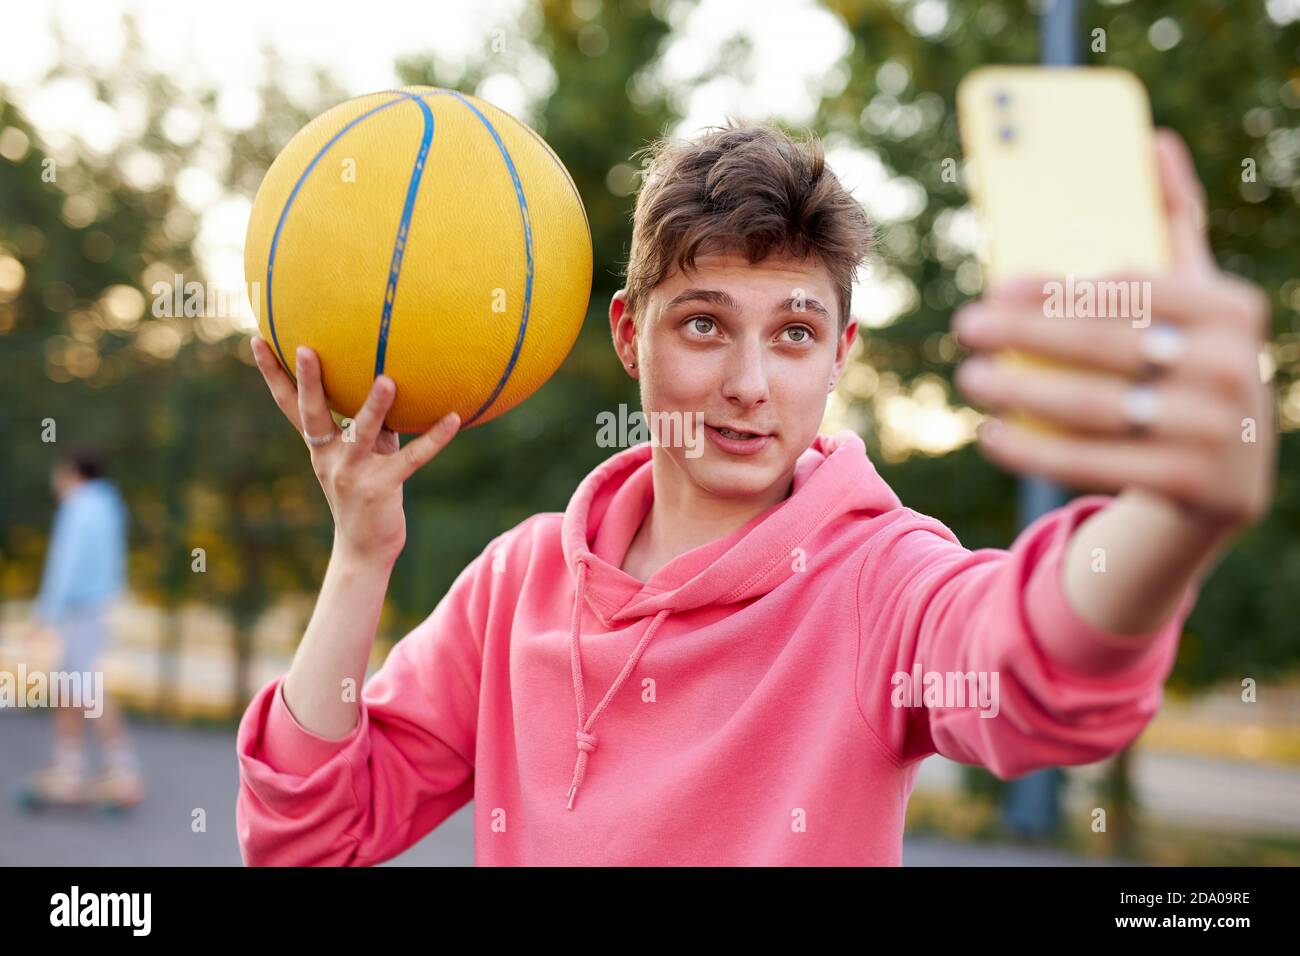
694 322
800 333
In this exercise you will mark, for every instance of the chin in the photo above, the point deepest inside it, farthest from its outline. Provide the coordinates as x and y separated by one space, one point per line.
730 477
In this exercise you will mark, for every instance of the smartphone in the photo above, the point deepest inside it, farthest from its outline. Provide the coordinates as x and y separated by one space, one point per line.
1062 173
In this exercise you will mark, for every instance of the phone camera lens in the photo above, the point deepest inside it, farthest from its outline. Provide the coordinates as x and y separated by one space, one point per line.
1002 98
1006 134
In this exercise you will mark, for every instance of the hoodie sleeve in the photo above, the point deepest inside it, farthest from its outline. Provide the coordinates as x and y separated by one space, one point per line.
61 561
1061 692
361 799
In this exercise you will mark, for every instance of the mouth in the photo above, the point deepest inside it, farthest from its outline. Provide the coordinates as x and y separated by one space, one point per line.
738 434
737 441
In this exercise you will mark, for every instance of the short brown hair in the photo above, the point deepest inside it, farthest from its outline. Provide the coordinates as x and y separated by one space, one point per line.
742 188
86 460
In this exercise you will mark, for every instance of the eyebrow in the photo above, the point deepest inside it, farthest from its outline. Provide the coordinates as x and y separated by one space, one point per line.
724 300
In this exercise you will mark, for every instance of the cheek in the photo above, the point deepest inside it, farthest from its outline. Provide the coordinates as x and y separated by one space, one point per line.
800 384
674 377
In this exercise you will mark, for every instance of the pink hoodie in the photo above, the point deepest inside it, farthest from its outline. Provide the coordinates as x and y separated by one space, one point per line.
752 703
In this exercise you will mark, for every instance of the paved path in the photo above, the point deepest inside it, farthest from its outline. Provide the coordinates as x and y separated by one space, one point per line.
191 769
1229 796
187 769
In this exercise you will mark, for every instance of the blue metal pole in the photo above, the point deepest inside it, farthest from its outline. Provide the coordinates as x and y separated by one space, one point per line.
1058 33
1032 805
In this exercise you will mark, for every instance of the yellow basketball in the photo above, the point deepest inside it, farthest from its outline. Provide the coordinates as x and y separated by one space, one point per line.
424 234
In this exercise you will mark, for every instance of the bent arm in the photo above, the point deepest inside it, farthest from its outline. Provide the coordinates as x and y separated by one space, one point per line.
306 798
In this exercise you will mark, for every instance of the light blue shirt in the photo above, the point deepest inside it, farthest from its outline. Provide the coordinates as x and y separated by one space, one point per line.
86 561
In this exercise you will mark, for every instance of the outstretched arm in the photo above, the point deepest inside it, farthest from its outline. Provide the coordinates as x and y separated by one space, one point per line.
1192 451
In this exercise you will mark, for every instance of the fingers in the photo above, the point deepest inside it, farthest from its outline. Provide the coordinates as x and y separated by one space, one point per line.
1090 403
1137 298
277 380
313 412
306 408
1104 464
417 452
1220 300
371 417
1219 357
1184 199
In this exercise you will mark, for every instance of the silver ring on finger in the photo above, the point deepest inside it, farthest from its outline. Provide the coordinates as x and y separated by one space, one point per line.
1141 405
1161 346
317 441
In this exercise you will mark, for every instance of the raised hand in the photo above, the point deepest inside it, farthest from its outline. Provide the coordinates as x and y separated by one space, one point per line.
361 473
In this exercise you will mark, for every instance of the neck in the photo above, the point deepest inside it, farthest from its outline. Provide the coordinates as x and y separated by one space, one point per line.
682 517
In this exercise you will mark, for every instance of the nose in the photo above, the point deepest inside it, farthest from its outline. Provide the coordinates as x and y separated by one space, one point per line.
746 377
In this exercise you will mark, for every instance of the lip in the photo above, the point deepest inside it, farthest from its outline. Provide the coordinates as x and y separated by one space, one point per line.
740 428
733 446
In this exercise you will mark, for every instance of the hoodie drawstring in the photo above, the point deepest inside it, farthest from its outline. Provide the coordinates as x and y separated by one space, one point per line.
586 739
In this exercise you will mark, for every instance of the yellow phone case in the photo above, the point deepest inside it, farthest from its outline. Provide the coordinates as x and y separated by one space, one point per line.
1062 172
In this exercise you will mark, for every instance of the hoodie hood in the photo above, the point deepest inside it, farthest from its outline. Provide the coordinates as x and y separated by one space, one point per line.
834 482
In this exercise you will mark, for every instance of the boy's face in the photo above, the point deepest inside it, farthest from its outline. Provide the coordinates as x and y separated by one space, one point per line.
62 480
752 348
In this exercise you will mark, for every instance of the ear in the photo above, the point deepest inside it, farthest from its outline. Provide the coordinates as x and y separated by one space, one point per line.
622 330
843 347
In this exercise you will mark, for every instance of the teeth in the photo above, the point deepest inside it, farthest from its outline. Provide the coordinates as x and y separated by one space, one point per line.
732 434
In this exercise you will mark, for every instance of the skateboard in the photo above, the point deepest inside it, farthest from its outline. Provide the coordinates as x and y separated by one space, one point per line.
41 791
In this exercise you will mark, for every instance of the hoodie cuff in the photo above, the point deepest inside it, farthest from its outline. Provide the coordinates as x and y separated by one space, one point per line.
289 747
1069 641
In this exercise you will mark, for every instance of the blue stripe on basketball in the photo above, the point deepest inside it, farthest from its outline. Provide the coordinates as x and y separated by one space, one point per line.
403 228
284 213
528 250
546 148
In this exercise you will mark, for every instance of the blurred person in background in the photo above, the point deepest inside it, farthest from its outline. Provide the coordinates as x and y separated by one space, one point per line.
84 573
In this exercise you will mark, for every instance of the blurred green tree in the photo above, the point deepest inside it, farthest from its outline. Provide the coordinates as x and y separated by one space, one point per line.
204 458
1224 76
206 461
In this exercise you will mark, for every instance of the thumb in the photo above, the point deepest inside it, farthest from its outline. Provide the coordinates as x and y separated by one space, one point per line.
1184 201
420 451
